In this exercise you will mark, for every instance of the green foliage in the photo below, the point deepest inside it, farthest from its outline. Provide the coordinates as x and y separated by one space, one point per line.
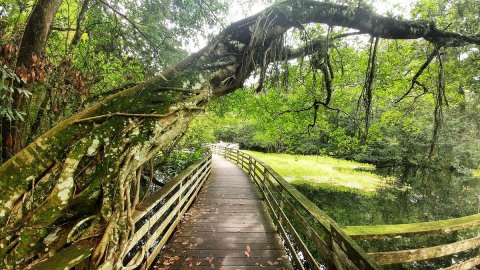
177 161
8 79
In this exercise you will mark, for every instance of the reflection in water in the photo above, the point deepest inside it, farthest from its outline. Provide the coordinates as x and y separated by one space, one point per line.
417 196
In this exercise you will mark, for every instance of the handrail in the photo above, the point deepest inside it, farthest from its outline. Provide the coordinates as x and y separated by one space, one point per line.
432 252
155 220
421 254
395 230
168 205
304 227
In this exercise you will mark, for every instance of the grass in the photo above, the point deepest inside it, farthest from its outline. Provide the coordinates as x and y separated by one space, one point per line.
476 173
325 171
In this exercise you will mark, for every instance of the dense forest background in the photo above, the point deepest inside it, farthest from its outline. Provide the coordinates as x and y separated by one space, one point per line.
287 116
389 115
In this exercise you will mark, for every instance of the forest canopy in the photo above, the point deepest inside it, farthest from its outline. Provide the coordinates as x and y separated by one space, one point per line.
91 90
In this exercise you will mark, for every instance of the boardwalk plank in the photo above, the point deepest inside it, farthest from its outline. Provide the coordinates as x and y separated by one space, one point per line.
231 253
223 245
205 228
227 263
227 216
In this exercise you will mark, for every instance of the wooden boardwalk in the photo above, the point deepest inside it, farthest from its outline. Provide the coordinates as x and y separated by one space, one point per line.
227 221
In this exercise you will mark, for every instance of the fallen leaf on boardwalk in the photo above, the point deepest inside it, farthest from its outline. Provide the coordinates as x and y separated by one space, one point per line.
213 265
270 263
166 262
198 263
279 258
209 259
247 251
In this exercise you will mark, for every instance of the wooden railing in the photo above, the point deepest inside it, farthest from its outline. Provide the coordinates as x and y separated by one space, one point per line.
402 231
312 238
155 219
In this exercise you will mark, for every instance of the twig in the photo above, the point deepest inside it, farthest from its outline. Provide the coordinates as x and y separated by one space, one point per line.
57 28
134 25
346 35
117 114
201 3
316 103
72 231
295 111
417 75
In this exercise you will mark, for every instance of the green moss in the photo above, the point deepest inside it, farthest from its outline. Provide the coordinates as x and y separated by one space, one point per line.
326 172
330 187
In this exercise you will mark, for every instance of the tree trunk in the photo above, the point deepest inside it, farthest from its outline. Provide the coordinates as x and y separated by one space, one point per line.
33 43
86 165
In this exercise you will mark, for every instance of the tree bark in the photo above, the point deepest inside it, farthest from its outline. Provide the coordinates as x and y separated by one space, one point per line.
87 164
80 18
33 43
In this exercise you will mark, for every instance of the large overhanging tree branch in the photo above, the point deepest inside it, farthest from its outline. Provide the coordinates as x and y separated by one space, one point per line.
85 167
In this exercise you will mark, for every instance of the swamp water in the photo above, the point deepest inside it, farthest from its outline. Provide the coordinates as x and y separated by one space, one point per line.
416 196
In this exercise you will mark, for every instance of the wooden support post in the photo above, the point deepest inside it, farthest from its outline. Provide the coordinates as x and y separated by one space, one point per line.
263 180
251 169
179 200
280 209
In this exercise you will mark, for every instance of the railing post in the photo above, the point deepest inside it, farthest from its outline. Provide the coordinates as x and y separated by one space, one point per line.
331 264
250 171
263 180
280 207
180 190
